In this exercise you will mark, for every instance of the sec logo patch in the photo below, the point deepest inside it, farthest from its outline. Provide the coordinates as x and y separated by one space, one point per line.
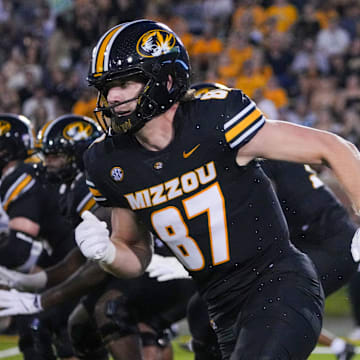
117 173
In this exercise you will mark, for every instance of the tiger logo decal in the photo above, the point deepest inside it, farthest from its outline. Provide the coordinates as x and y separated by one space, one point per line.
155 43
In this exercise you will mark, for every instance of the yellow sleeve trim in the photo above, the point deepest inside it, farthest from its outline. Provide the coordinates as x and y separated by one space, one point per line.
242 125
95 192
89 205
17 191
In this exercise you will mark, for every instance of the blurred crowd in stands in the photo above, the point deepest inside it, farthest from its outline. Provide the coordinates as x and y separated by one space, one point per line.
298 59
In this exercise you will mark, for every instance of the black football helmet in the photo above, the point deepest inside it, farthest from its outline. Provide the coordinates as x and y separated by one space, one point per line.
17 138
144 50
69 135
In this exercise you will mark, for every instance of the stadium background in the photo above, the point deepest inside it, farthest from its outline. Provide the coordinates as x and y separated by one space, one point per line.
299 60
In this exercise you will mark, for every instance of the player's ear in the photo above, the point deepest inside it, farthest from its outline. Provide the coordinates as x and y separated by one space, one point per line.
169 82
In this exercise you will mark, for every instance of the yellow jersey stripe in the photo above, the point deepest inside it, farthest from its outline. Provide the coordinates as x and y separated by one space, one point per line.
243 124
89 205
95 192
101 51
17 191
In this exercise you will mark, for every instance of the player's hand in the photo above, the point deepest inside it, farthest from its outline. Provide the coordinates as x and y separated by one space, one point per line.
355 246
11 278
166 268
92 237
21 281
14 302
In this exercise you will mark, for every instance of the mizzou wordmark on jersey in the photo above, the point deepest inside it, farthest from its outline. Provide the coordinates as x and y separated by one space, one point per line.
195 184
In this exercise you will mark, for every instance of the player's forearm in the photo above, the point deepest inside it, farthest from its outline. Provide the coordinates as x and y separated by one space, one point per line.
344 160
130 260
65 268
88 276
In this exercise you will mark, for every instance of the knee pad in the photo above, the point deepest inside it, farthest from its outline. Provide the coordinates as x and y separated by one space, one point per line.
63 344
36 343
87 342
116 320
205 351
85 337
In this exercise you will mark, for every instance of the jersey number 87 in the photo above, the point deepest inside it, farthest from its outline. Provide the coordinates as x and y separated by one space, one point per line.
172 229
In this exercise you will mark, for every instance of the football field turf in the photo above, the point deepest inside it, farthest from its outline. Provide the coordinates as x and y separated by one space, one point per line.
9 351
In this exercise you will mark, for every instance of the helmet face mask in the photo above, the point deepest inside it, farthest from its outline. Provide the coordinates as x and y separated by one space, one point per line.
59 167
66 137
147 52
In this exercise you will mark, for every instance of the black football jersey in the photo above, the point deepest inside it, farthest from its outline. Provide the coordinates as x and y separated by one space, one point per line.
304 198
22 194
215 216
75 198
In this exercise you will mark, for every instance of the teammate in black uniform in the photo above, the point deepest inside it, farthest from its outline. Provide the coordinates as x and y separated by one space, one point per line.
119 330
38 236
319 226
62 142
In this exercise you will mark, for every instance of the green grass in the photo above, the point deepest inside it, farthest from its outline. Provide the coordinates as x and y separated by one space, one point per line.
336 305
180 354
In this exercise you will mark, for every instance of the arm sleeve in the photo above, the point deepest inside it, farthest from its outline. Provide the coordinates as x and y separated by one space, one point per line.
27 206
21 251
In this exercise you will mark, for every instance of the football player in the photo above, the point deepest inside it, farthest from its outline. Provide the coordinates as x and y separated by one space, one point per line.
38 236
187 171
112 302
319 226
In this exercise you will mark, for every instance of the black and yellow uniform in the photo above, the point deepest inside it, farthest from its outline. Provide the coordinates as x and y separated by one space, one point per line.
222 221
24 195
319 224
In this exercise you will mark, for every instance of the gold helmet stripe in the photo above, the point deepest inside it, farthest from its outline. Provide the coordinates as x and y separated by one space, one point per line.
29 124
41 134
101 53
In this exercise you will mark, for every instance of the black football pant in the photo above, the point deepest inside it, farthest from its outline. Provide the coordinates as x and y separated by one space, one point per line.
281 318
327 243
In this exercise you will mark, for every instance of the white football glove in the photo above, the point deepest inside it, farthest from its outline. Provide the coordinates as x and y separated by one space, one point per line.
92 237
166 268
21 281
355 246
14 302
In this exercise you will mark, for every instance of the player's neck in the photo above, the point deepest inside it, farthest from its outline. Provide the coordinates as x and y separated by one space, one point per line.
158 132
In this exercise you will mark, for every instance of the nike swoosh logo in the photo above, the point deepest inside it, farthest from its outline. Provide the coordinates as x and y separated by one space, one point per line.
187 154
